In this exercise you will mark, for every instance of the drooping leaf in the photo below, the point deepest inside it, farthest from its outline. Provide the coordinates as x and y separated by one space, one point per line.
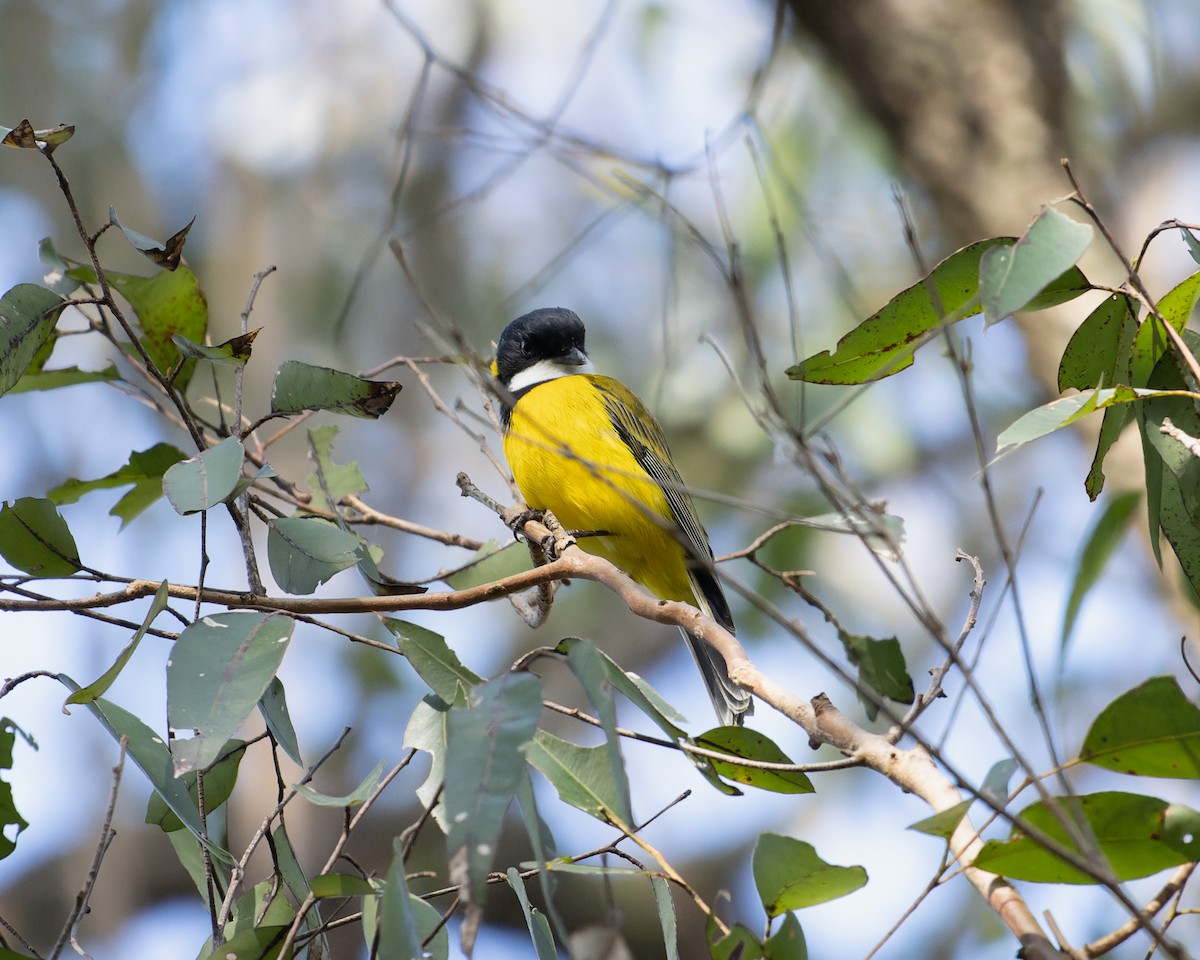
485 757
36 540
1151 343
591 670
738 944
649 702
789 874
1063 412
944 823
339 479
666 917
301 386
304 552
995 783
1103 538
426 730
209 478
398 935
1172 473
786 943
432 658
64 377
260 906
884 343
752 745
143 472
1137 836
232 353
220 667
28 315
219 781
56 276
166 255
274 709
149 753
535 920
358 795
1152 730
582 776
1010 277
881 668
11 822
1192 244
253 943
99 686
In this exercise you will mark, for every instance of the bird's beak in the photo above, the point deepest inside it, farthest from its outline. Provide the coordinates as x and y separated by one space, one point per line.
573 358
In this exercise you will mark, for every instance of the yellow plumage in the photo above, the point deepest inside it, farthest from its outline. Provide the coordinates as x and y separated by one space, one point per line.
586 448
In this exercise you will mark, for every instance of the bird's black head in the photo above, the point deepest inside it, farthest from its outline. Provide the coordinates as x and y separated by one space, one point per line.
552 336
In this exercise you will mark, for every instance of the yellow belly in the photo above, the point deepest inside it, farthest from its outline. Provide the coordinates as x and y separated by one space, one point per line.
567 458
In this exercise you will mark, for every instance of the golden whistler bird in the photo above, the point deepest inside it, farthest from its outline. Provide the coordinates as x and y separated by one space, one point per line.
585 448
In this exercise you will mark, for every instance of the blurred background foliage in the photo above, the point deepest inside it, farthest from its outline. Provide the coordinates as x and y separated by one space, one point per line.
606 157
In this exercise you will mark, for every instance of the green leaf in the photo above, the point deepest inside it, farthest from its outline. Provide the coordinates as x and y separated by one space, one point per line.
35 538
340 480
535 920
219 781
432 658
358 795
274 709
260 906
149 753
591 670
884 343
485 757
220 667
1172 473
789 875
332 885
304 552
165 255
300 386
582 776
253 943
752 745
397 928
1098 353
666 916
647 700
1152 730
166 304
64 377
490 563
1137 835
9 817
995 784
1192 244
28 315
1063 412
880 668
426 730
99 686
56 276
1102 540
943 824
1151 343
787 943
1011 277
738 944
209 478
232 353
144 471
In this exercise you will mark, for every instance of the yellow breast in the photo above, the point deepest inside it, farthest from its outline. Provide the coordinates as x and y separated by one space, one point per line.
567 457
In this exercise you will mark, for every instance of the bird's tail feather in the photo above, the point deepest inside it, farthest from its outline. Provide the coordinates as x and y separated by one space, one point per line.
731 702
